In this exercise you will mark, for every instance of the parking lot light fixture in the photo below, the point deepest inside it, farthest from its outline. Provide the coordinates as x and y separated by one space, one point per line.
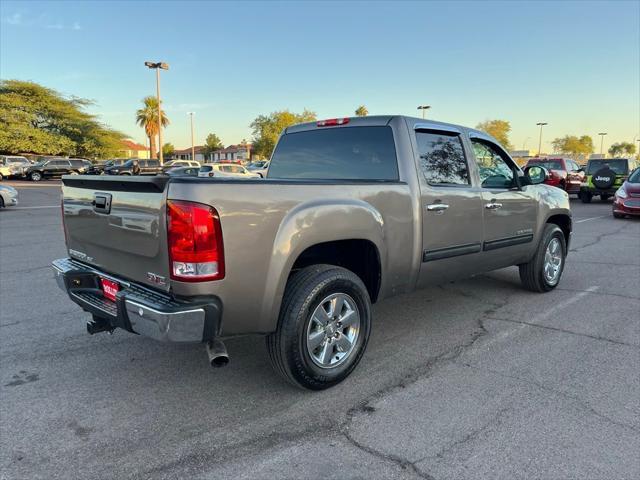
424 108
193 148
540 124
158 66
602 134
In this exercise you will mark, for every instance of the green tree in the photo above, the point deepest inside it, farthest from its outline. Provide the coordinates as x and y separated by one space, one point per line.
147 118
36 119
267 128
212 143
362 111
622 148
168 149
498 129
576 147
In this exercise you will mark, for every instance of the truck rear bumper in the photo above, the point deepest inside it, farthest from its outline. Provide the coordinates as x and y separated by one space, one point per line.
139 309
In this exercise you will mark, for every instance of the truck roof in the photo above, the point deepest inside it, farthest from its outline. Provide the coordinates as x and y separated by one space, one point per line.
381 120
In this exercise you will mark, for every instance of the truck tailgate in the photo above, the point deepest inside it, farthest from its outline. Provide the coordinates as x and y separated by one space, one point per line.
118 224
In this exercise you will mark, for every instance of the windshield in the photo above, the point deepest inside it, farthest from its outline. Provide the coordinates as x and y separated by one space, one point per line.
635 176
618 166
23 161
548 164
362 153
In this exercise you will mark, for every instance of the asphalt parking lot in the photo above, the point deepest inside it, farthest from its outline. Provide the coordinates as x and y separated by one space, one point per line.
473 379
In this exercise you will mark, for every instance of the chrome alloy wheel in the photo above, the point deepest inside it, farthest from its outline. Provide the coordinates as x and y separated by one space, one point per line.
333 330
553 262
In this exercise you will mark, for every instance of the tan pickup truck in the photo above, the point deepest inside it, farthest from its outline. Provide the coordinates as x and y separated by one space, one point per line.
352 211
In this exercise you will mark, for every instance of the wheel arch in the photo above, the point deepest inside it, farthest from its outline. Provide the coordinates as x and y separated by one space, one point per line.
563 221
347 233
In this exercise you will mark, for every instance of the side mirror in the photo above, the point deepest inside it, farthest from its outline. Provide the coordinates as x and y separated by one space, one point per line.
535 174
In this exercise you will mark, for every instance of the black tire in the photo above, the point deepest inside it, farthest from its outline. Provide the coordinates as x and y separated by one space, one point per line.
287 346
618 215
1 202
585 197
604 197
532 273
35 176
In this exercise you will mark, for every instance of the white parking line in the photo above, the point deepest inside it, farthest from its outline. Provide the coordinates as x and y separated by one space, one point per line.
34 208
592 218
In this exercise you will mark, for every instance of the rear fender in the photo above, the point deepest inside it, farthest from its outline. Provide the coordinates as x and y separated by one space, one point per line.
307 225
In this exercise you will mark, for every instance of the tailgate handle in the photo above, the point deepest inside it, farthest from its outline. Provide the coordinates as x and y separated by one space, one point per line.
102 203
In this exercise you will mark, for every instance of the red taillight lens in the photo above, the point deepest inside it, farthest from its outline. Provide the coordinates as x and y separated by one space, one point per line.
332 122
195 242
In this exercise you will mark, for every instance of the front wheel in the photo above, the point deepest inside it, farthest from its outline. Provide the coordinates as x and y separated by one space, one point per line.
543 272
35 176
323 328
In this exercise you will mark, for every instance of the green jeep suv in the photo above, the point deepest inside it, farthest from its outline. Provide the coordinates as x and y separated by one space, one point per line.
604 177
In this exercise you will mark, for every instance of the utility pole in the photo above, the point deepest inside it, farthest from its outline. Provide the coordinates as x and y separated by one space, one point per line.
602 134
158 66
424 108
193 148
540 124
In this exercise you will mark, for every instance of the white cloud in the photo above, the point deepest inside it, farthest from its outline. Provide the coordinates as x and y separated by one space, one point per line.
15 19
19 19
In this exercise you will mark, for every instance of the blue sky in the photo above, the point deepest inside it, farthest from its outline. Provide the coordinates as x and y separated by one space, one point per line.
575 65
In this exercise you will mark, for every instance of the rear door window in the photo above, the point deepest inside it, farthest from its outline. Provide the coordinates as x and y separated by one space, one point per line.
442 159
342 153
618 166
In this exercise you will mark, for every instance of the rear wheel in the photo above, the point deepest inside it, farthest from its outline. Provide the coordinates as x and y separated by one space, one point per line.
604 197
543 272
585 197
323 328
35 176
1 202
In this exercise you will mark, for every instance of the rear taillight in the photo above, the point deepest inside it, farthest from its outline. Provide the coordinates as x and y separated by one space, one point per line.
195 242
332 122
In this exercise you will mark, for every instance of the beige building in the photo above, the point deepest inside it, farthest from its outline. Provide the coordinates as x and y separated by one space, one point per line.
131 149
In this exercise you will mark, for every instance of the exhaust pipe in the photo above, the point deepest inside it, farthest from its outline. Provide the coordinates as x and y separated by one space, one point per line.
97 325
217 352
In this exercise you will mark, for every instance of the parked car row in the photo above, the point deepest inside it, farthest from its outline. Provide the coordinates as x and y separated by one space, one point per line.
605 178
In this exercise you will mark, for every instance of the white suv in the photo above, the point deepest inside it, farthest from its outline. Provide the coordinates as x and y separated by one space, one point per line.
225 170
13 166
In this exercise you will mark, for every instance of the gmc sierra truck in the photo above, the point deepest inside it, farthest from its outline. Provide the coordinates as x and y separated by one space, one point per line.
353 211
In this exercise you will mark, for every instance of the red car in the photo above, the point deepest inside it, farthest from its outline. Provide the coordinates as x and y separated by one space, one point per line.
627 198
564 173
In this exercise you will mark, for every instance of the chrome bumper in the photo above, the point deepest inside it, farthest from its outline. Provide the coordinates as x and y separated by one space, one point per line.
139 309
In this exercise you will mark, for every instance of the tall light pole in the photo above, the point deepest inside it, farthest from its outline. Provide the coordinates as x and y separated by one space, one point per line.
424 108
602 134
540 124
158 66
193 148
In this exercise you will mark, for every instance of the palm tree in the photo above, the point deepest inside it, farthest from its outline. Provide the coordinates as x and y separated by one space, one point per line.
147 118
362 111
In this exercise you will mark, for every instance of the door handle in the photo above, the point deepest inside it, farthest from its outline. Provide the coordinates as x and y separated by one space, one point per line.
437 207
493 206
